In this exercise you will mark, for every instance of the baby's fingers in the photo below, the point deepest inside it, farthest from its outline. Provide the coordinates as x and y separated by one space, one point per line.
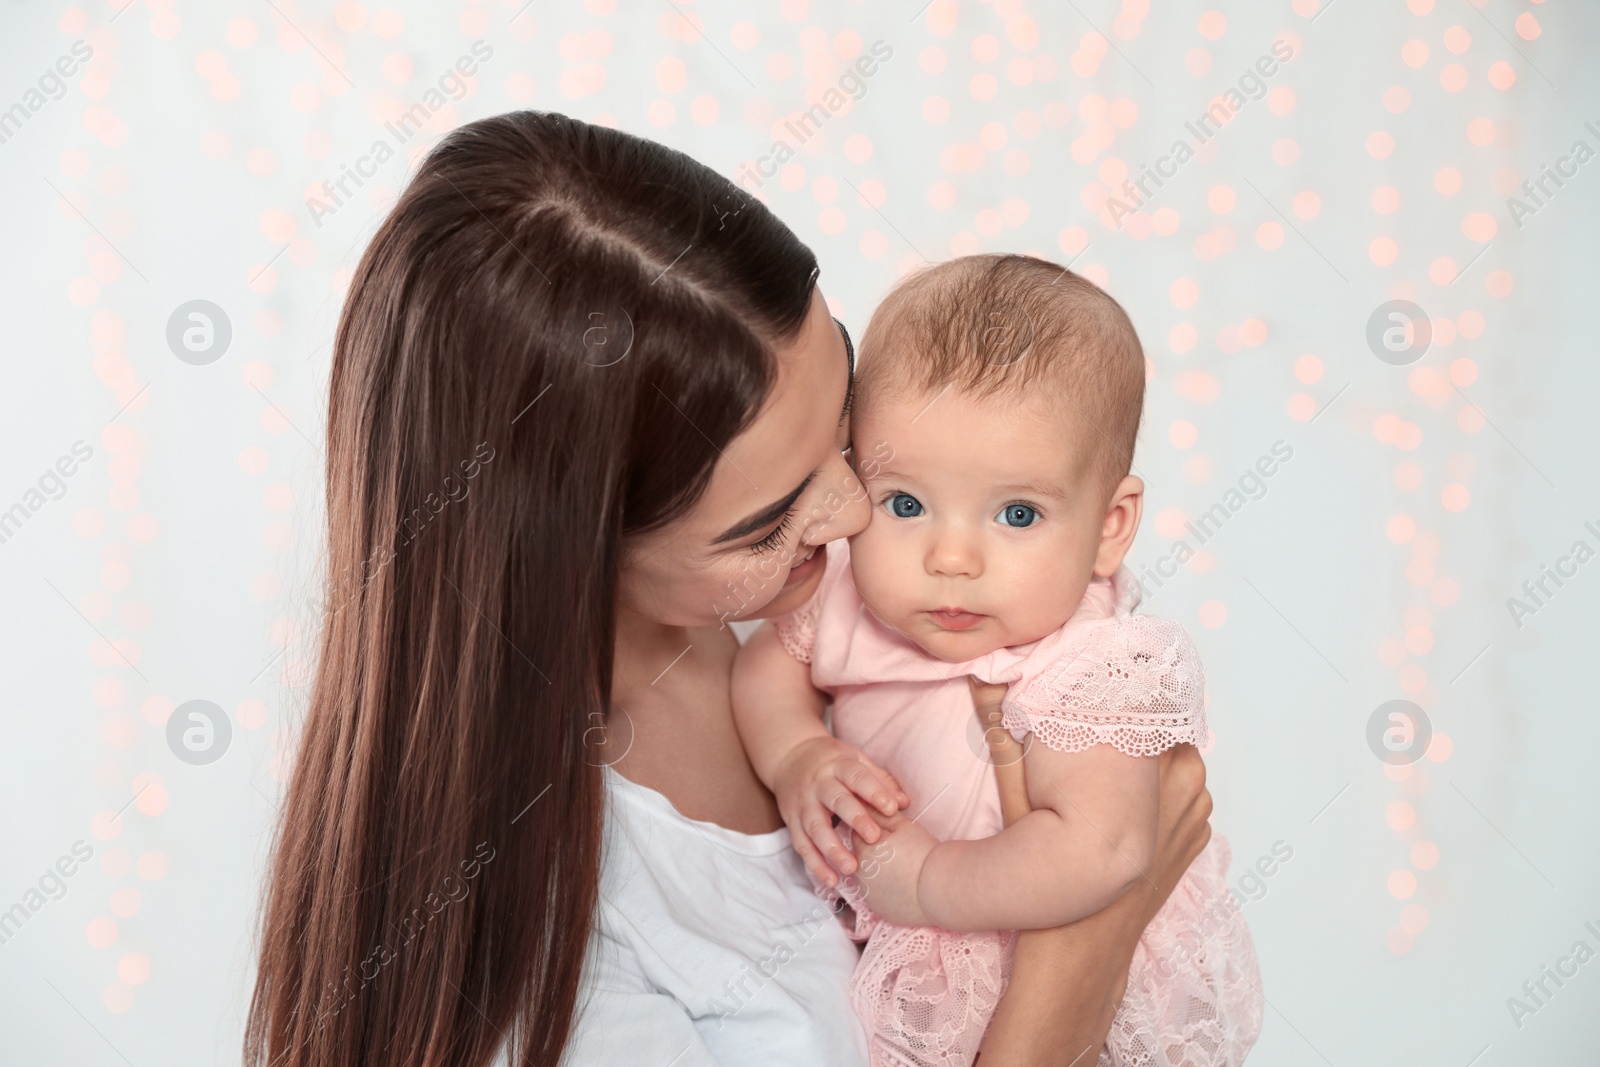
874 785
855 814
817 822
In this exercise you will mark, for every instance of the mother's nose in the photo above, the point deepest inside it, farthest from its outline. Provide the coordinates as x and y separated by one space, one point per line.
842 508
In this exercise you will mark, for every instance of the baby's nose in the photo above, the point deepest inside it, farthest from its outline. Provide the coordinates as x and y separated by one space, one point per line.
955 553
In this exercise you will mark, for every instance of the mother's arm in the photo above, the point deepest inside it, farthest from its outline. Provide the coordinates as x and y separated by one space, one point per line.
1067 982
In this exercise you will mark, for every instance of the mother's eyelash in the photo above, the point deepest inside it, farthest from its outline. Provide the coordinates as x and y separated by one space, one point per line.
775 538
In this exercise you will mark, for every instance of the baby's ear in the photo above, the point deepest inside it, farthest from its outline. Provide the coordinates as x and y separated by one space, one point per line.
1121 523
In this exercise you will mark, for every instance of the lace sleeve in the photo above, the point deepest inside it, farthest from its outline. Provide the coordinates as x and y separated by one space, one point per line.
797 631
1135 682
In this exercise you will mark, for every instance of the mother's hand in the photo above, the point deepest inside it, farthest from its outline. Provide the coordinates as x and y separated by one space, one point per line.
1005 751
1066 983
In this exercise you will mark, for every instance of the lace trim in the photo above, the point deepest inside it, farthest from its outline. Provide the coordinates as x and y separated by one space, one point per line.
797 631
1135 683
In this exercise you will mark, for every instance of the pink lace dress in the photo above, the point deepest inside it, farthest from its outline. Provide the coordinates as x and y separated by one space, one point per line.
925 994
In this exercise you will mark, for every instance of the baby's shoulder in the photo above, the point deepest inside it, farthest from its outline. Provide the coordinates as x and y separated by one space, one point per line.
1096 644
1133 681
835 594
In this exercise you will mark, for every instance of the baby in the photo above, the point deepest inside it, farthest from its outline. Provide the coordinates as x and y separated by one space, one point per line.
1002 396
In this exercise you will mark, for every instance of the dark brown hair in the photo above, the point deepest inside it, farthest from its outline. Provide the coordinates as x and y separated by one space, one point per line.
1012 324
543 350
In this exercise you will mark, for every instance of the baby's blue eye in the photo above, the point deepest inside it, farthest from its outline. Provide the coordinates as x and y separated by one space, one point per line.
1017 515
905 506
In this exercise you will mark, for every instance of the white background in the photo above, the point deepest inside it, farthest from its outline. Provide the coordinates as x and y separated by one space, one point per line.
182 560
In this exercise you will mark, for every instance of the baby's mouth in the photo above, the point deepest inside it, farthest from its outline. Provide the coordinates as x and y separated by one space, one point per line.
955 619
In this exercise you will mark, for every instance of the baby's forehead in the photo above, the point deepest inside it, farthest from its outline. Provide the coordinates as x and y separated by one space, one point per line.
1008 436
1028 369
891 403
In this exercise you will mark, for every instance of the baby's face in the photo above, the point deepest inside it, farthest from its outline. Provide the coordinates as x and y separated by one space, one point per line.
985 518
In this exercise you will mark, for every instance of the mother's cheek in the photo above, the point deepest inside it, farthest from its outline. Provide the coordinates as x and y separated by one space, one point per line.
769 568
787 598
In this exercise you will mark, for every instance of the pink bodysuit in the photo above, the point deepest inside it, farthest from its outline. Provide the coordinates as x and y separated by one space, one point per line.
1108 676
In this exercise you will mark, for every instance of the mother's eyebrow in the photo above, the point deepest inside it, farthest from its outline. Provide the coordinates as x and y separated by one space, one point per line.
765 517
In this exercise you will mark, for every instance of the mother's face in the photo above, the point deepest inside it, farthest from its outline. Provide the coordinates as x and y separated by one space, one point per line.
782 488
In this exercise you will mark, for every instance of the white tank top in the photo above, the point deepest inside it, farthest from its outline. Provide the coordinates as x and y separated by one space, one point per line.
710 948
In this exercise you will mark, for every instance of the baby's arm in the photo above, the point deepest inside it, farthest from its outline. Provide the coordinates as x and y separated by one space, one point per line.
1093 831
812 774
1090 836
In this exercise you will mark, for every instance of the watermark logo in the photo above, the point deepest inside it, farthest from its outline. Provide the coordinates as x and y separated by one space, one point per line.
1252 85
452 489
198 732
1399 332
989 738
1005 334
1537 592
51 485
453 889
806 124
1538 192
51 885
607 739
1398 732
740 989
336 192
1221 913
1249 487
607 336
52 85
199 332
1565 969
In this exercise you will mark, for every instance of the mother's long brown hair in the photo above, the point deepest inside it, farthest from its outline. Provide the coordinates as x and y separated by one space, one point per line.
543 350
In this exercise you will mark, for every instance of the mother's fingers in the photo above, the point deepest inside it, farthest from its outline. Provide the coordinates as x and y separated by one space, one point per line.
1182 769
1183 782
1003 748
809 854
817 822
986 699
1184 827
1005 751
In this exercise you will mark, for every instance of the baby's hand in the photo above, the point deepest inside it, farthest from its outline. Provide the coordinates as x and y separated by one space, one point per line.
823 777
890 869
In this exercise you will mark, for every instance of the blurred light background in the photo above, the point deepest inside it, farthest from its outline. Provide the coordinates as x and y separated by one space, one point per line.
1369 484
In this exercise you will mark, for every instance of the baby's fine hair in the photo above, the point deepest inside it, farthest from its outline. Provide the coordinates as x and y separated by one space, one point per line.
1014 325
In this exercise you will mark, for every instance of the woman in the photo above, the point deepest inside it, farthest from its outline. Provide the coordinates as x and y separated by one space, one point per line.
587 406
